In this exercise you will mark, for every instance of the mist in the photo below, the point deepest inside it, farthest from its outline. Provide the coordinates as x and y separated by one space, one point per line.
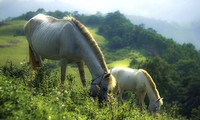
181 33
180 11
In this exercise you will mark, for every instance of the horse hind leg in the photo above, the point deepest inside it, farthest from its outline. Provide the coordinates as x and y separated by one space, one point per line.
141 96
82 72
119 94
63 70
35 62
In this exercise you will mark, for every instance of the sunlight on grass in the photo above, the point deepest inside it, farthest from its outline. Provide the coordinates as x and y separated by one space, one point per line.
15 52
11 27
122 63
100 39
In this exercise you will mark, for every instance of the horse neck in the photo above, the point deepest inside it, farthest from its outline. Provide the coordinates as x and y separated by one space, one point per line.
95 65
150 93
151 89
92 63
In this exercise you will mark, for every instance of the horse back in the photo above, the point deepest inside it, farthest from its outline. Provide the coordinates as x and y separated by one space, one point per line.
44 34
125 77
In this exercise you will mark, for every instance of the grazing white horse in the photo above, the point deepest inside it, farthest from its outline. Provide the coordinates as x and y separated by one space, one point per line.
140 81
68 40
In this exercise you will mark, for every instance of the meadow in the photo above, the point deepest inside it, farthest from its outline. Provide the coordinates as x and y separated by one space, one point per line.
27 94
39 95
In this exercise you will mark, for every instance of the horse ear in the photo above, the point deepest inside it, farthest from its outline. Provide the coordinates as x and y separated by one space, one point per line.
159 99
107 75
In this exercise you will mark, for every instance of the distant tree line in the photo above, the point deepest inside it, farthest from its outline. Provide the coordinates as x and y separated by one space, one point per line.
29 15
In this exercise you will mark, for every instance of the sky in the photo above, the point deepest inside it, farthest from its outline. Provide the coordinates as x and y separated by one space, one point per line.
179 11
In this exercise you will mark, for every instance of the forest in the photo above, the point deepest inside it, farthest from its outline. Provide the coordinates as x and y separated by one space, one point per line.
174 67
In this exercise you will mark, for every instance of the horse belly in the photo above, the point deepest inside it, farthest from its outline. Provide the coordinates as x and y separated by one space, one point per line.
46 48
45 40
127 83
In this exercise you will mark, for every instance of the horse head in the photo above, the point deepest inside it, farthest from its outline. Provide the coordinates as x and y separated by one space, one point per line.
99 87
156 105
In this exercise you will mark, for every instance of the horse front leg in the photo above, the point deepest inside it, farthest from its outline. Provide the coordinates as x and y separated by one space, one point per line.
141 96
82 72
120 90
39 60
63 70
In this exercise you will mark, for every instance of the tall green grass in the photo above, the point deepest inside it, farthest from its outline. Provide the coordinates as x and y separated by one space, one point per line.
39 95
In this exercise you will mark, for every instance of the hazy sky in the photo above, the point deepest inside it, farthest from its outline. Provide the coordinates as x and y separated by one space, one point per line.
170 10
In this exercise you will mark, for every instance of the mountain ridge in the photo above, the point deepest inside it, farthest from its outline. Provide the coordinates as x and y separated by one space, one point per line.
181 33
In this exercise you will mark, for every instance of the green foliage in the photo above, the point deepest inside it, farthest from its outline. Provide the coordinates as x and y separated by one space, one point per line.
29 15
19 99
196 113
117 30
152 42
13 49
14 28
89 20
120 33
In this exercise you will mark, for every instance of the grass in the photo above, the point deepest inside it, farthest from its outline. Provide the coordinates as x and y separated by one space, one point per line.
17 52
11 27
123 57
122 63
100 39
12 48
41 96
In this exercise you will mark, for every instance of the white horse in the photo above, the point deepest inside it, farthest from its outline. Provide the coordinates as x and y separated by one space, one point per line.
140 81
68 40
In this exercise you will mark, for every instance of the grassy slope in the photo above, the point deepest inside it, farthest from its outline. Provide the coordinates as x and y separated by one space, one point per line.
10 27
12 48
19 100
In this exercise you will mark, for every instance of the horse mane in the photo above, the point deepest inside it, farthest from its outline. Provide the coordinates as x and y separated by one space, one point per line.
112 83
90 39
151 82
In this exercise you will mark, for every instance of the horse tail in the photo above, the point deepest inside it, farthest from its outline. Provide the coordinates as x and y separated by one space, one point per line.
32 59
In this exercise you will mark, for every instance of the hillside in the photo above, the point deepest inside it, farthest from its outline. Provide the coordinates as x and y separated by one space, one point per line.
13 46
181 33
173 67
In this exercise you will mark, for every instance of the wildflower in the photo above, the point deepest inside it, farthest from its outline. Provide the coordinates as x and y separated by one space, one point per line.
49 117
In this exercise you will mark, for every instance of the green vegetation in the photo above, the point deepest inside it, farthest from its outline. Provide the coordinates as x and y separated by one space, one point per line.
13 46
12 28
38 95
28 95
13 49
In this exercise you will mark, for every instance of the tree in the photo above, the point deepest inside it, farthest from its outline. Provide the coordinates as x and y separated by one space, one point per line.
117 26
